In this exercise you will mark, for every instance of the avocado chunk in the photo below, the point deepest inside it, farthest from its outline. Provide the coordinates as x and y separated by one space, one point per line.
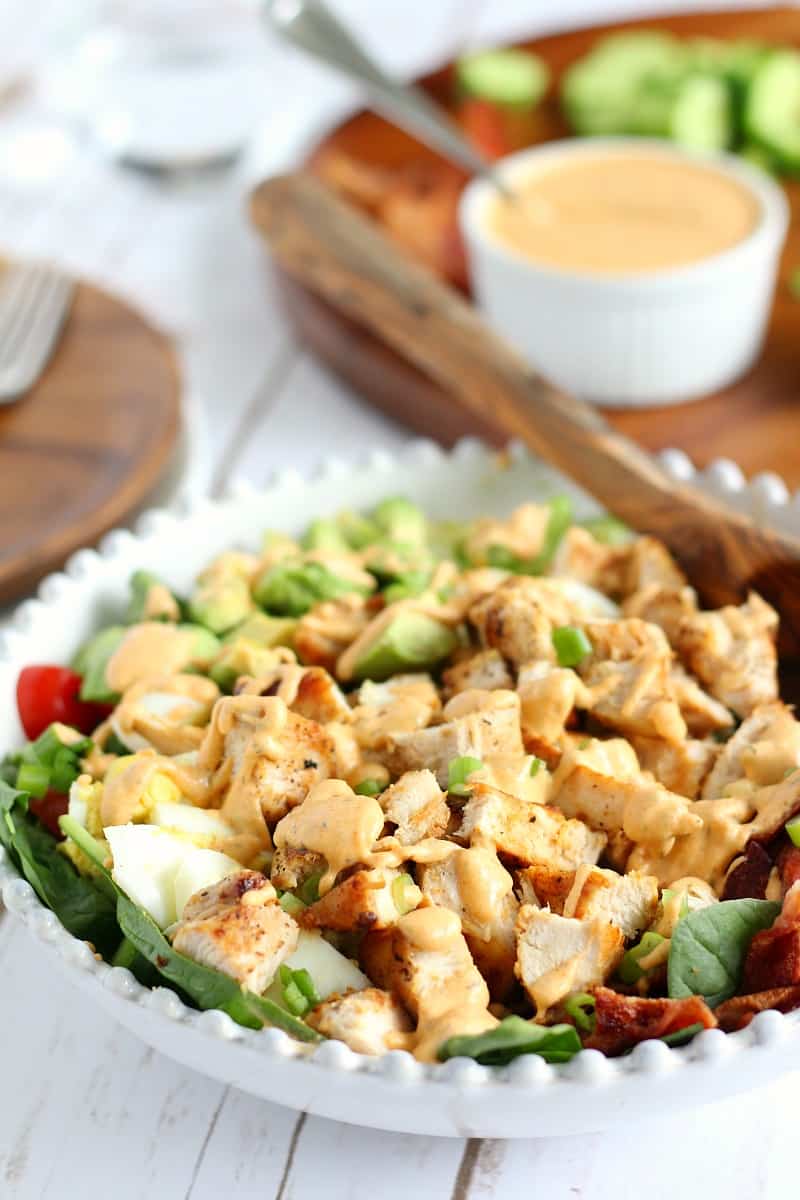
413 641
325 535
151 600
221 598
91 661
240 657
291 589
358 531
264 630
401 521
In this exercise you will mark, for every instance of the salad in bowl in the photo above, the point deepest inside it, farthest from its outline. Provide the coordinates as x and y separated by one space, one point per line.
479 789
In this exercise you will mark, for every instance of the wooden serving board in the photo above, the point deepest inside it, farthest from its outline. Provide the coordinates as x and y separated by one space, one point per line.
756 422
82 451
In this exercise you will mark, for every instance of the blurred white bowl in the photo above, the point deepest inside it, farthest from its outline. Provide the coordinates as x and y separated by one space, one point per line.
630 339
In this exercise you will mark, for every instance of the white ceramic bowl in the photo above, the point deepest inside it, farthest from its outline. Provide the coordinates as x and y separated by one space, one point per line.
630 339
529 1098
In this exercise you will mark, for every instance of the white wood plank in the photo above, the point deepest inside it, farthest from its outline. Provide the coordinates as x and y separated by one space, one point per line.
246 1150
364 1164
84 1100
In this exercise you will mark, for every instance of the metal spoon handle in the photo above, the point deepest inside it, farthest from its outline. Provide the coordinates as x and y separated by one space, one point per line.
311 26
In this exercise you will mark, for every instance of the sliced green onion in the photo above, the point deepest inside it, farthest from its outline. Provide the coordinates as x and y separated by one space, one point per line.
458 771
504 559
667 895
571 645
305 983
608 530
536 766
291 904
558 523
368 787
33 778
792 828
65 771
629 969
403 900
293 997
580 1006
308 891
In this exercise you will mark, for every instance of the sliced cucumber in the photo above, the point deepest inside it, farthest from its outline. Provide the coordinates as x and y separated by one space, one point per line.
514 78
772 113
702 116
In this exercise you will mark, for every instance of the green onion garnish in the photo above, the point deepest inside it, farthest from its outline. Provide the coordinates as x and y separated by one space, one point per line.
305 983
580 1006
299 992
536 766
403 900
458 771
629 969
33 778
368 787
792 828
571 645
308 891
291 904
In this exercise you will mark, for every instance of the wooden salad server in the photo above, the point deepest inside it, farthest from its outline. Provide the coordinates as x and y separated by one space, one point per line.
329 247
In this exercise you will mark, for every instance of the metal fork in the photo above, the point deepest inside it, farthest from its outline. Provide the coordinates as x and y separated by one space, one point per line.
34 302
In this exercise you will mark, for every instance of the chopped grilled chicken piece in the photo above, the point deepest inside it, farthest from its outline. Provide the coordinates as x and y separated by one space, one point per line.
627 901
559 955
702 713
477 723
327 629
238 927
473 884
425 980
417 806
527 833
486 670
523 534
545 886
651 563
666 607
403 704
518 619
291 867
732 651
726 825
273 754
765 747
628 675
609 756
362 901
548 696
370 1021
308 691
641 808
580 556
680 766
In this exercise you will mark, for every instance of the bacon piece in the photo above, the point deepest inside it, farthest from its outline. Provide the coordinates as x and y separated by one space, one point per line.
788 864
773 960
739 1011
622 1021
750 876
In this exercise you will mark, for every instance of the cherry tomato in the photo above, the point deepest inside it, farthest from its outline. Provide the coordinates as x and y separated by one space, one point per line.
49 693
49 809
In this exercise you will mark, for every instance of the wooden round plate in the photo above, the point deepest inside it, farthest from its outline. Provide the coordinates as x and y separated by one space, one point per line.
755 422
84 448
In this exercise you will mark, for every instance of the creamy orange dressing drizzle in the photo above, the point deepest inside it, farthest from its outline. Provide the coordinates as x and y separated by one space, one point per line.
335 822
483 884
159 602
151 648
623 213
182 728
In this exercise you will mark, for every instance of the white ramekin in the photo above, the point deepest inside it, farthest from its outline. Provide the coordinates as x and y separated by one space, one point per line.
637 339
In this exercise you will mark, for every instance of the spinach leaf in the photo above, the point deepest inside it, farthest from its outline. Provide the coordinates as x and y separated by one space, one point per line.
679 1037
82 907
709 946
206 987
512 1037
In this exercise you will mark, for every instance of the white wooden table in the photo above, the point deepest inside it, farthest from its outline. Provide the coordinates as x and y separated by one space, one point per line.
86 1110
